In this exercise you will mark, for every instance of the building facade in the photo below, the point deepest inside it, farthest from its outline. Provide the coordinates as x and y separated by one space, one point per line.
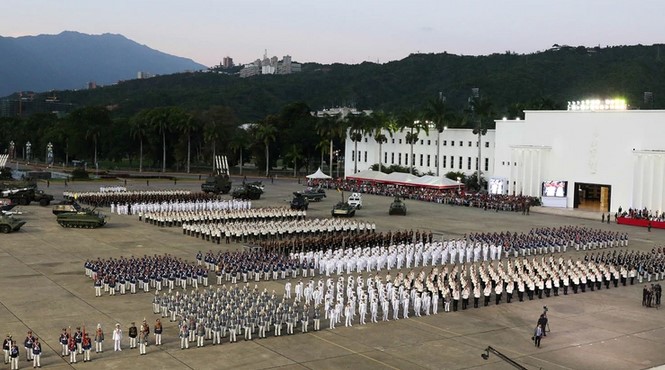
598 160
456 148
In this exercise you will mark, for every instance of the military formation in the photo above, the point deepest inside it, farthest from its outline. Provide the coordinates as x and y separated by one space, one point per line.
236 211
106 199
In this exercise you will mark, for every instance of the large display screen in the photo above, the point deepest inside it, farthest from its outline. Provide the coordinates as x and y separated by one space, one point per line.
555 188
497 185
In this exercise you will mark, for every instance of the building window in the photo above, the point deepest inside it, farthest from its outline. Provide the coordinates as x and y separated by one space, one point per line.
476 144
421 142
487 144
353 155
365 139
445 142
468 163
469 143
385 157
428 162
400 141
399 159
476 164
444 161
393 141
392 158
503 163
461 143
452 143
406 159
452 161
429 142
421 160
487 164
460 162
365 156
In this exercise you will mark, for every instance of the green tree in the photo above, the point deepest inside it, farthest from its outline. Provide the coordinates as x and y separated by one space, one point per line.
239 142
292 156
329 127
481 115
139 124
359 125
382 122
438 112
266 133
410 121
187 124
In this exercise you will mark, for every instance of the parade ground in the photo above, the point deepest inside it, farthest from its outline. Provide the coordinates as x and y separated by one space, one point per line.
43 288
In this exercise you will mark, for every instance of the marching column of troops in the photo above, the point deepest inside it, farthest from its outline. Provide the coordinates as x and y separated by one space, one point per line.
257 230
181 218
128 275
105 199
240 311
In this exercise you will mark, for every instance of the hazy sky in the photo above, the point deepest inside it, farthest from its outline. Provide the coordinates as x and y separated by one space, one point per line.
346 31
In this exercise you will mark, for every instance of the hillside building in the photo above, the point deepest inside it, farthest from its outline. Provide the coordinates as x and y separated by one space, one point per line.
269 66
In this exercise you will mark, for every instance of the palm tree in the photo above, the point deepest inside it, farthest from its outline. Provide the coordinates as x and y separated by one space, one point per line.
159 121
437 111
358 127
329 127
409 120
239 142
293 155
92 132
323 147
481 112
186 123
381 123
265 133
139 128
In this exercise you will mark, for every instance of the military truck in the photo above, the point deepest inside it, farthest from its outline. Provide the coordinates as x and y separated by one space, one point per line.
299 201
397 207
9 224
219 182
24 196
250 190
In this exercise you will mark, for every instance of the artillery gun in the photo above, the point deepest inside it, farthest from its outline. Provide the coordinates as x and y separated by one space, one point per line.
220 182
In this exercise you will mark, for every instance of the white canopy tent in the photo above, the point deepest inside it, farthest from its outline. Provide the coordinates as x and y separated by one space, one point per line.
318 175
405 179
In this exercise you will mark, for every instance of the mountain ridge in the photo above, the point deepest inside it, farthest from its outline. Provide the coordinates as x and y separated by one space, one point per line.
71 59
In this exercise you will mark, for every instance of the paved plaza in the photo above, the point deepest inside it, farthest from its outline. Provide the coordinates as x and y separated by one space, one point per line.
43 288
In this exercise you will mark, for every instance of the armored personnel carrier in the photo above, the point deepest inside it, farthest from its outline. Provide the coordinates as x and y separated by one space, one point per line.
220 182
299 201
9 224
85 219
397 207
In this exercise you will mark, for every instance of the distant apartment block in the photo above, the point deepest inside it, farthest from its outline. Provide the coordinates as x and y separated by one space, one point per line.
141 75
227 62
269 66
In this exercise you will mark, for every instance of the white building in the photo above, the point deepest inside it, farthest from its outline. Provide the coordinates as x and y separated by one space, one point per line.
458 152
592 159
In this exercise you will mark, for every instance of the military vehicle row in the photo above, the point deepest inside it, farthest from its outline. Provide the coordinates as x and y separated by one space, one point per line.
343 209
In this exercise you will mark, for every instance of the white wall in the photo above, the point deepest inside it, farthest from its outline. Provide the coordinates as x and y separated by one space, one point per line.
624 149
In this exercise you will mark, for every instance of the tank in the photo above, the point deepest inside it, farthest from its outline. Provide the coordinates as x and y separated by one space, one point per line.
397 207
251 190
67 206
343 209
84 219
9 224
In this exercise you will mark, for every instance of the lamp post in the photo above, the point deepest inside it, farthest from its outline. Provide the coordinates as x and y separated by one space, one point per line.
438 153
49 154
459 184
28 150
12 150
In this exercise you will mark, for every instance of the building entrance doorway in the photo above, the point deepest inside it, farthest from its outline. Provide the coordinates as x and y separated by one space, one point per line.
592 197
